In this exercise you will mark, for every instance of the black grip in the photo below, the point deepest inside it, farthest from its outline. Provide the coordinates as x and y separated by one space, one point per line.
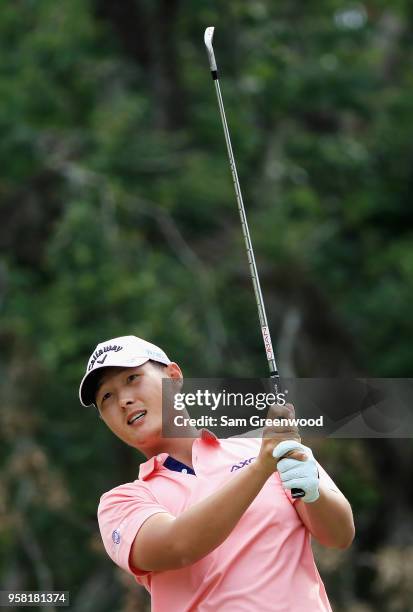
275 378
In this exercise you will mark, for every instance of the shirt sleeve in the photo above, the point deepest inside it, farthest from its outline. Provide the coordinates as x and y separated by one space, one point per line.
121 513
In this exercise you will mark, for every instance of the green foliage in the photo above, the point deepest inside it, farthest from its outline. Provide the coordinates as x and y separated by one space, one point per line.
119 218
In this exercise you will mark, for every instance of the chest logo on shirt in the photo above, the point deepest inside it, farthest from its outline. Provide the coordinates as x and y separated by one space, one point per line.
116 536
242 464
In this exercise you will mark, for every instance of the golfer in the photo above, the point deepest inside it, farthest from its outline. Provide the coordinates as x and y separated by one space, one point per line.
210 524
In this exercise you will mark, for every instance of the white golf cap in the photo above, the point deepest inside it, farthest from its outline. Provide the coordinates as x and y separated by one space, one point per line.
126 352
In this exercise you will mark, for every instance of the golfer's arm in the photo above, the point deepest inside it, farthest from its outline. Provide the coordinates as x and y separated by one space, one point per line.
165 542
329 519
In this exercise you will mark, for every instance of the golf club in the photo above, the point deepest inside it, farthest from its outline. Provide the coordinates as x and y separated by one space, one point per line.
208 36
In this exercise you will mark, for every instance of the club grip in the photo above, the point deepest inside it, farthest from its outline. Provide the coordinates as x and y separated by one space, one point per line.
297 493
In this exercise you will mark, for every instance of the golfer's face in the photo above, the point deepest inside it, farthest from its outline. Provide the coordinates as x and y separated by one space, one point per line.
130 402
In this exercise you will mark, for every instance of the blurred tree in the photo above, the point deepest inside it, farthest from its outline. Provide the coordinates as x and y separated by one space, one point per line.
118 216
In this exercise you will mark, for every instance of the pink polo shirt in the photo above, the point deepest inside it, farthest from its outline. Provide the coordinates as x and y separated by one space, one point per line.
265 564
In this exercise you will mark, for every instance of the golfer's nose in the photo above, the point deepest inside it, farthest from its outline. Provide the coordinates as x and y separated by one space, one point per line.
125 399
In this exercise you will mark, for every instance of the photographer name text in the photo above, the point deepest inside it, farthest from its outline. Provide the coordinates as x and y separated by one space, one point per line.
252 421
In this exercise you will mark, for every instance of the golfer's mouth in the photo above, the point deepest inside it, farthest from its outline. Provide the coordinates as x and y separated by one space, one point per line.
136 417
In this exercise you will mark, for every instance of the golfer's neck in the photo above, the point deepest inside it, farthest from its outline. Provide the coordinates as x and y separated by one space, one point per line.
178 448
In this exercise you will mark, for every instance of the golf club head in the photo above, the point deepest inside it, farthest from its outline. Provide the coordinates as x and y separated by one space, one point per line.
208 36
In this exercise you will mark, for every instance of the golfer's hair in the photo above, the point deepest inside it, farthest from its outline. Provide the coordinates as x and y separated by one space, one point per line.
158 364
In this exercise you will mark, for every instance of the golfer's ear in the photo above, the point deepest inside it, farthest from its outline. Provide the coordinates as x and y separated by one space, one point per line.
173 370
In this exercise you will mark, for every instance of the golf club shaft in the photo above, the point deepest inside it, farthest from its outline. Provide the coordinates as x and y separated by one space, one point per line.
209 32
244 224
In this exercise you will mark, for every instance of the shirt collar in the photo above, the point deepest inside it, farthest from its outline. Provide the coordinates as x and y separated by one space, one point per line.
155 463
209 437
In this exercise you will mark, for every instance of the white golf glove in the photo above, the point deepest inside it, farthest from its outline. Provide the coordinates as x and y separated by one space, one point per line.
296 474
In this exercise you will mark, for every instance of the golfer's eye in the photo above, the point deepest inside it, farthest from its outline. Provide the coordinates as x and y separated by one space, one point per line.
132 377
105 397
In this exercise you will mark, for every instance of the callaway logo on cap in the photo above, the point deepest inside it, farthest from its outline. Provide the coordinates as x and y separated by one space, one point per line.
126 351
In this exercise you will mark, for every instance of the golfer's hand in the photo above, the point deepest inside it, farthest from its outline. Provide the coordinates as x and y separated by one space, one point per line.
273 435
297 474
